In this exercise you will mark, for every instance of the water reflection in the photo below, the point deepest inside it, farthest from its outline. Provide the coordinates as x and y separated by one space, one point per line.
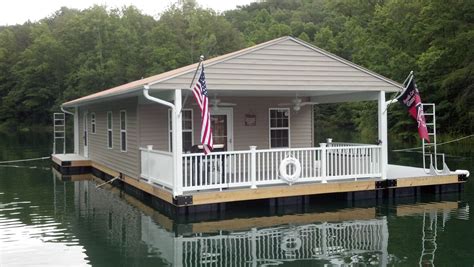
142 234
30 237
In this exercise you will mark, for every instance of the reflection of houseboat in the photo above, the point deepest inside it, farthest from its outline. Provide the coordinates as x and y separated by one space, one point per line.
362 237
144 132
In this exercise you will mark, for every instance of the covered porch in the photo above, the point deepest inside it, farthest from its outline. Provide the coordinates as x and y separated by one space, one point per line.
249 157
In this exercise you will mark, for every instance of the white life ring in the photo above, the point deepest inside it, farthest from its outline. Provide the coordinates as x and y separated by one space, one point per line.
290 243
283 169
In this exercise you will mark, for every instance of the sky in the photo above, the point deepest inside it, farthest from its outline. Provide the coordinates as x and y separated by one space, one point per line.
19 11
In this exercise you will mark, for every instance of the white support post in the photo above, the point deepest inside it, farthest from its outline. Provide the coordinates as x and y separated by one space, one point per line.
76 130
177 144
323 162
382 127
253 166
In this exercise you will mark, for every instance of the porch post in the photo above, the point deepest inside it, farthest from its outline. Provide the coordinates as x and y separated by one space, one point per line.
382 125
323 162
177 144
76 130
253 166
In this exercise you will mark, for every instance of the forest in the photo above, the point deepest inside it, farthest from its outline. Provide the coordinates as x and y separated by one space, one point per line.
77 52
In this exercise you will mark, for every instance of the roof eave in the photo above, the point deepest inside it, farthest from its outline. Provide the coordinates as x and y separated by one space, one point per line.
349 63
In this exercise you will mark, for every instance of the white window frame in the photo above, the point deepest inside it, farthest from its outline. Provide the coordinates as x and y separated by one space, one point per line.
270 128
111 129
123 111
93 124
170 131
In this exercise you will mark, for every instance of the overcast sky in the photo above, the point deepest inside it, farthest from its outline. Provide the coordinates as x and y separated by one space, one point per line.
19 11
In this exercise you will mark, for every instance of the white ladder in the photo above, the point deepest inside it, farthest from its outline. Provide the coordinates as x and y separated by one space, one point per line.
429 110
429 245
59 130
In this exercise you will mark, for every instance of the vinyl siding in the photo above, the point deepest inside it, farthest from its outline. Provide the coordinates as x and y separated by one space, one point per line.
285 65
124 162
245 136
153 126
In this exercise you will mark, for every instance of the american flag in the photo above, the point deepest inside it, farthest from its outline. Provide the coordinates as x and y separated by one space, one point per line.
200 94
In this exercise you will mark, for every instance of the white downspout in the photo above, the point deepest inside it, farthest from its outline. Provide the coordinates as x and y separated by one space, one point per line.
176 144
65 111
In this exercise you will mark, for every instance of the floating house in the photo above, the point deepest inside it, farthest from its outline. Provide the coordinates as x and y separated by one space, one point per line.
146 133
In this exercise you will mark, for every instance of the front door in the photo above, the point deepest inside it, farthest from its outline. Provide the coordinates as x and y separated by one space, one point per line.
221 122
85 136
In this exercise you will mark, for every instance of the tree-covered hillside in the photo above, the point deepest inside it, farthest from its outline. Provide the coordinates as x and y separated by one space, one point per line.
77 52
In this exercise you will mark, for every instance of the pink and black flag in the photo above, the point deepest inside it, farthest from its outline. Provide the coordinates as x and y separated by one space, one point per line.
410 98
200 94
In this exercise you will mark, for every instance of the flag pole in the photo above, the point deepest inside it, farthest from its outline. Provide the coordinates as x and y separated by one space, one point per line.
201 59
408 77
396 96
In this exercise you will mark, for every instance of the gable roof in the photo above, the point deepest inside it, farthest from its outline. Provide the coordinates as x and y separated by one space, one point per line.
282 64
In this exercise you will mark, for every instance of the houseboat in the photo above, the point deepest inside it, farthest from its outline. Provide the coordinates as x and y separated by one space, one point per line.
146 134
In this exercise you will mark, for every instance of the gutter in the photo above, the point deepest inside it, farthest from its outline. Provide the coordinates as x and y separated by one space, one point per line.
146 87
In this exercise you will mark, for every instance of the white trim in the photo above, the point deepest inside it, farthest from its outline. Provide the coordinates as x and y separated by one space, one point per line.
279 128
93 123
170 132
85 133
111 129
382 132
123 111
76 130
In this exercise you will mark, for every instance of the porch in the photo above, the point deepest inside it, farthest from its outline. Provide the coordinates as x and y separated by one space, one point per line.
254 168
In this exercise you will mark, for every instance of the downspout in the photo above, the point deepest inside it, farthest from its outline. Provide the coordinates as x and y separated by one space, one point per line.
146 87
65 111
176 154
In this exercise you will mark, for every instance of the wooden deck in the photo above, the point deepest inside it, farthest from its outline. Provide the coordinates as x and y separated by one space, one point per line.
398 177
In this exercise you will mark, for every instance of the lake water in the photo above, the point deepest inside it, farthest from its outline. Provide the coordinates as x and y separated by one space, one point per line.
48 222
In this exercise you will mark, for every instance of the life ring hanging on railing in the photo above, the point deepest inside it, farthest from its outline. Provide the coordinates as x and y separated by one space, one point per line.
290 178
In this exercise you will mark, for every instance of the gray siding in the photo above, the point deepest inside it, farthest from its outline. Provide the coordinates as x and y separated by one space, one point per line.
153 126
124 162
285 65
245 136
147 124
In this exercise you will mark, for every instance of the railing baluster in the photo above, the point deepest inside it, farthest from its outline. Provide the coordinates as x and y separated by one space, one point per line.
185 176
271 175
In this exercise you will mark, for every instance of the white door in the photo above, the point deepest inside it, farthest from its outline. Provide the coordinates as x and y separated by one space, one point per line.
222 121
85 136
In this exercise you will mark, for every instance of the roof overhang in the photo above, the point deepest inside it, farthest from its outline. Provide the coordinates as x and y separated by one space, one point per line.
218 82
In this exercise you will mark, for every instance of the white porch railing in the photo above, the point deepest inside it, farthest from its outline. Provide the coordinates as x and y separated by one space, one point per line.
324 241
252 168
157 167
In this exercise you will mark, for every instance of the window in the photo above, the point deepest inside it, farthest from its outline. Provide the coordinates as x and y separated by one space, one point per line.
123 131
187 122
109 130
279 127
93 123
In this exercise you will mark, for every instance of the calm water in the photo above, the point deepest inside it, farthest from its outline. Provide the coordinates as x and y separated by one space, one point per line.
45 221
